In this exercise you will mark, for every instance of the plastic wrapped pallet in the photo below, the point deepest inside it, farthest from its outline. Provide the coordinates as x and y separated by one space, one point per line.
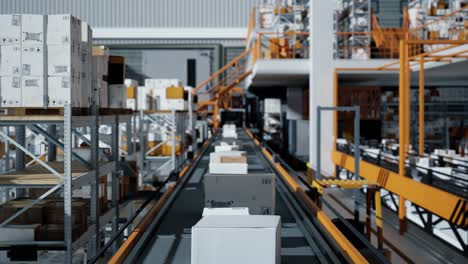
100 68
86 61
117 96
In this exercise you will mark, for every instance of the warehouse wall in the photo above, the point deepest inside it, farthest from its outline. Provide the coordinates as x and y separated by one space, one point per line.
142 13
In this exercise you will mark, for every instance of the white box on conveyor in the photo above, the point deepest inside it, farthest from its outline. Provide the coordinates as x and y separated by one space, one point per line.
10 29
226 211
256 191
10 91
33 30
234 239
10 61
33 91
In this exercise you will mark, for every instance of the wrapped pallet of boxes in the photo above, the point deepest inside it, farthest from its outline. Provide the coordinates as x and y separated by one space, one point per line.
23 60
100 68
64 60
233 239
132 94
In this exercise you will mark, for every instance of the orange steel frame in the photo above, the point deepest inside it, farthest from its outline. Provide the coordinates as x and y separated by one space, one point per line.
423 195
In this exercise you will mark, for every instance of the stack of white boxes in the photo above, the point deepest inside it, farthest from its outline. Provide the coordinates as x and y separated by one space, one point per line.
117 96
45 62
157 89
64 60
100 68
23 63
10 63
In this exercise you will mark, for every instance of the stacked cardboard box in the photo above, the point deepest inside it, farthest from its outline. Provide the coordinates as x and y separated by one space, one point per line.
23 62
64 60
86 61
44 61
229 131
100 68
156 88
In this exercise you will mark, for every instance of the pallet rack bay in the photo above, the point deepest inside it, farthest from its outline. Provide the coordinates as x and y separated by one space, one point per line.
75 171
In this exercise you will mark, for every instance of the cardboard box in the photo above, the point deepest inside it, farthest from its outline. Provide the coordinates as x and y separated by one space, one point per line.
63 29
240 159
34 215
117 96
116 74
234 239
86 65
33 61
175 92
10 91
19 232
255 191
10 61
33 30
175 104
102 89
229 168
60 90
63 60
34 91
10 29
56 233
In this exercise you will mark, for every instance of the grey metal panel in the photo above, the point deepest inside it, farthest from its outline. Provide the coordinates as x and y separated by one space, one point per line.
142 13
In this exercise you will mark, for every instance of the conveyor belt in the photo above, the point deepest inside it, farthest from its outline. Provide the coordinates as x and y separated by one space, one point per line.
302 240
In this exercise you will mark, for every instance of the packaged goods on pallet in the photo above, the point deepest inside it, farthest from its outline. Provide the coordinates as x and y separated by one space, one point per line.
10 29
100 69
64 60
116 74
226 147
239 239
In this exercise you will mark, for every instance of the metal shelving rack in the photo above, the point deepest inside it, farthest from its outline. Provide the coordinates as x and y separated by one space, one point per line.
62 131
356 36
176 123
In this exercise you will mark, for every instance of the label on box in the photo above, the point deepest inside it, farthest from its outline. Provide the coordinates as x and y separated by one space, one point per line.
30 36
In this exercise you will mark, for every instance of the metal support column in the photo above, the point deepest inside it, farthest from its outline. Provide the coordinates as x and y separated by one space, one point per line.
421 106
20 132
51 148
95 241
173 139
67 181
357 154
115 179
